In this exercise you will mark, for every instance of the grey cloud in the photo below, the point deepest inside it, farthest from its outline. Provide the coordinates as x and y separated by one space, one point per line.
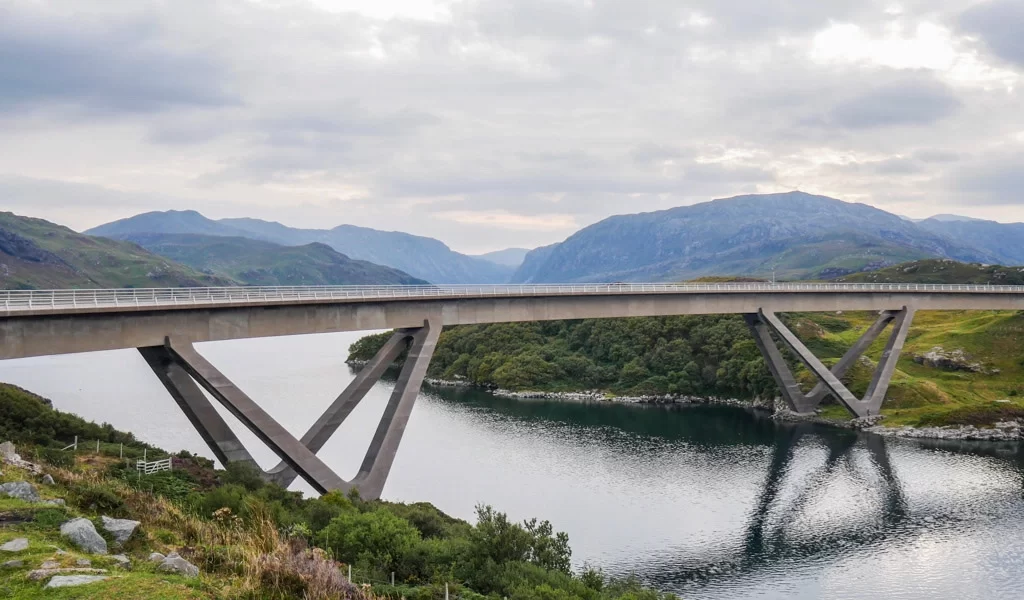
1000 25
937 155
102 67
911 102
993 179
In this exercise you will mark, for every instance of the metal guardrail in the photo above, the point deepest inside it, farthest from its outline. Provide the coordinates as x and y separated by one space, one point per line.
13 301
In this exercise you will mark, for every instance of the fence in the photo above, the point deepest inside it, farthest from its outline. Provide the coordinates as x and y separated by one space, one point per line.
148 468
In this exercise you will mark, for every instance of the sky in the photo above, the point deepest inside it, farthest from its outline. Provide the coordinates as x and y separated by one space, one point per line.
497 123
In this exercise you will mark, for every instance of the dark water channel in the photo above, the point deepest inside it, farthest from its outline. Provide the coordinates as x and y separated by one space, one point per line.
708 502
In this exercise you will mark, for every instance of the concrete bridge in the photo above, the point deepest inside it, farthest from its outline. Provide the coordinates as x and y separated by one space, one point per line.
164 325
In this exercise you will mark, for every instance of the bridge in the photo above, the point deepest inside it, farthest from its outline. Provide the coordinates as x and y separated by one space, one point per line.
165 324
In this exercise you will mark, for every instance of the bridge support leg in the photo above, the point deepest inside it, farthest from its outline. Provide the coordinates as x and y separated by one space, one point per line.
183 370
764 323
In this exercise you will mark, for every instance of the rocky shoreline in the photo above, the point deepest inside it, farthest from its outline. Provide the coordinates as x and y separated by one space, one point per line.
1008 431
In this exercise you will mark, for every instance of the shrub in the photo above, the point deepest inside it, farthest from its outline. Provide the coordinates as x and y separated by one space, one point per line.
57 458
378 537
97 498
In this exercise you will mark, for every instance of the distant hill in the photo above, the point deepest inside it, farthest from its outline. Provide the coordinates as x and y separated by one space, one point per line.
941 271
1004 241
422 257
255 262
509 257
37 254
801 235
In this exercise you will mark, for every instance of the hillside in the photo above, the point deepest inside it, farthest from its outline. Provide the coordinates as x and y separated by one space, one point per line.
422 257
1004 241
801 235
37 254
254 262
940 271
238 538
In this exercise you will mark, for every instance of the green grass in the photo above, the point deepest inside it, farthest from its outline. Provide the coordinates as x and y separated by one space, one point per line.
925 396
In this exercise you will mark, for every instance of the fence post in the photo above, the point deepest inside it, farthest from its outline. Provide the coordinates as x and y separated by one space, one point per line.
446 590
350 573
122 451
97 446
392 579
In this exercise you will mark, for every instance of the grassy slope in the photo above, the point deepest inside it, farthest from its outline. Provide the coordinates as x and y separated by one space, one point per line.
941 271
48 256
921 395
263 263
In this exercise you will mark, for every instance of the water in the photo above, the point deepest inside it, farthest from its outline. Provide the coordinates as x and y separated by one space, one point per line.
707 502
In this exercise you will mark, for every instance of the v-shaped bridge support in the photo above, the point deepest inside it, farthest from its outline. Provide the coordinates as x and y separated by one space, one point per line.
765 323
185 373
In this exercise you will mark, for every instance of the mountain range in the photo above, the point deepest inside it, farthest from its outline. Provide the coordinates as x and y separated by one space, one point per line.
793 235
422 257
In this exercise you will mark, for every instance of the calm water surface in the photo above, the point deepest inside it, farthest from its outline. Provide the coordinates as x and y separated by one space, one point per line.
707 502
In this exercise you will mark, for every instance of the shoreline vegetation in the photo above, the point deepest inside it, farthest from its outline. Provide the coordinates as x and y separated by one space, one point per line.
961 375
87 517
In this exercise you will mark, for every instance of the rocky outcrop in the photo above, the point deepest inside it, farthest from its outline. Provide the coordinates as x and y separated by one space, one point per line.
15 545
952 360
21 490
1007 431
41 574
176 564
82 533
120 529
61 581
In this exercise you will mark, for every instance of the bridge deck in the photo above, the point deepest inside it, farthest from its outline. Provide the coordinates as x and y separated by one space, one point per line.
39 302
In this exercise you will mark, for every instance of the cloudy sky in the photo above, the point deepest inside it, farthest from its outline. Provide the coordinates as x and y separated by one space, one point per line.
494 123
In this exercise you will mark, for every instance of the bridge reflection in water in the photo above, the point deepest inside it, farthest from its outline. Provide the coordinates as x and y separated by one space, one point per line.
825 496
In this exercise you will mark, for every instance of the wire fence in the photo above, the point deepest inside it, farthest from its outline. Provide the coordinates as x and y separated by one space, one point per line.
13 301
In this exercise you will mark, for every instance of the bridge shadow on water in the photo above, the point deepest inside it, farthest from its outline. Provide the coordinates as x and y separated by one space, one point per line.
772 538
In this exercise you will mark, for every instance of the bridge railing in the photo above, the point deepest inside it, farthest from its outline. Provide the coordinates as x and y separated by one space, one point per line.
12 301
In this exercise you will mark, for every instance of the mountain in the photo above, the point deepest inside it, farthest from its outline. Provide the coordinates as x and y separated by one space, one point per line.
37 254
422 257
940 271
801 235
509 257
948 218
255 262
1004 241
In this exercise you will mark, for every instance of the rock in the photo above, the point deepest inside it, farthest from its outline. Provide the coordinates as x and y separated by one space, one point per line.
57 502
73 580
954 360
15 545
83 562
7 452
13 564
41 574
156 557
22 490
121 529
49 564
123 562
82 533
48 479
177 564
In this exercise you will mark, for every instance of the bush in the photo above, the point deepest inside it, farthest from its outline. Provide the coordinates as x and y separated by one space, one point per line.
97 498
57 458
377 537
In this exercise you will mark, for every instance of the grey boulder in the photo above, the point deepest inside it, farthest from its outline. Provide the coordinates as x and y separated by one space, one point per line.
73 580
82 533
13 564
123 562
21 490
156 557
15 545
48 479
121 529
177 564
